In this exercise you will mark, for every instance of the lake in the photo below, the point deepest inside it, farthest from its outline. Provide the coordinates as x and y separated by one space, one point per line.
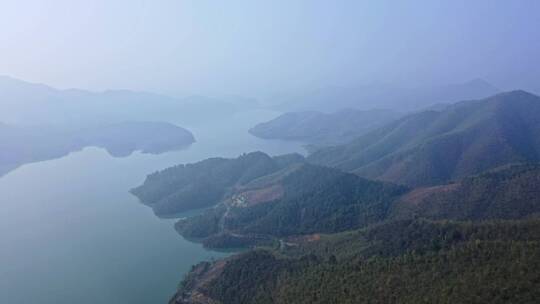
71 233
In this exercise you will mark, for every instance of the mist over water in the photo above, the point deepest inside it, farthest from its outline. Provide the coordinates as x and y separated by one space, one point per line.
71 233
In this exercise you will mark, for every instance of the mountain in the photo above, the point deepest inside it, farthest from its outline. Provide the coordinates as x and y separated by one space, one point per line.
28 103
413 261
306 199
509 192
121 139
434 147
417 254
367 97
323 129
206 183
300 199
257 198
322 235
26 144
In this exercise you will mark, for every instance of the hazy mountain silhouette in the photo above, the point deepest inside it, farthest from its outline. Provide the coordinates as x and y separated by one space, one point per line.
29 103
369 97
25 144
323 129
434 147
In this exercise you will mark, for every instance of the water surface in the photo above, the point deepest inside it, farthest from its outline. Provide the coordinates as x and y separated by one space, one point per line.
71 233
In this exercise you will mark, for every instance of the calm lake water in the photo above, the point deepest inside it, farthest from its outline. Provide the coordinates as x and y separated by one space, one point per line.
71 233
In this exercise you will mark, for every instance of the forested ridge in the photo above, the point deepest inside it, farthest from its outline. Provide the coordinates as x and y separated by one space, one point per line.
413 261
204 184
451 214
434 147
313 199
403 258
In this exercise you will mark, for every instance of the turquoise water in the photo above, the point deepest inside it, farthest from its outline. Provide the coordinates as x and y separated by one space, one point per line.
71 233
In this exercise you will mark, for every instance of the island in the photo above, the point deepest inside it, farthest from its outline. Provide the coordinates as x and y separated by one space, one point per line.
25 144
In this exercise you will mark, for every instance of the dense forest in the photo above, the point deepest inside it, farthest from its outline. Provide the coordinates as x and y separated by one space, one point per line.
301 200
414 261
204 184
323 200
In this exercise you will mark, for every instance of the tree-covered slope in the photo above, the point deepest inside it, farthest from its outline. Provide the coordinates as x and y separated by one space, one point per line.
509 192
412 254
206 183
434 147
413 261
323 129
300 199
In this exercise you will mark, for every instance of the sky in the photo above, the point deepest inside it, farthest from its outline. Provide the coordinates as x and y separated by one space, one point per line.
261 47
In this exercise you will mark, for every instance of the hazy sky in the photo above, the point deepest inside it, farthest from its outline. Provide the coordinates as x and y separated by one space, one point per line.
253 47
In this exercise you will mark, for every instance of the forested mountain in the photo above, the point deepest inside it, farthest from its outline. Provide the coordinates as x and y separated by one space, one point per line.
467 215
367 97
26 144
306 199
206 183
259 199
302 199
510 192
413 261
434 147
414 254
323 129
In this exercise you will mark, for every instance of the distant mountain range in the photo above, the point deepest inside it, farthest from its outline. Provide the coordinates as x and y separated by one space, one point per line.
368 97
434 147
321 129
25 144
28 103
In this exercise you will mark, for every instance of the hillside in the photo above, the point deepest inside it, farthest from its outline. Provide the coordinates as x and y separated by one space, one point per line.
206 183
434 147
302 199
405 261
413 252
510 192
258 199
323 129
306 199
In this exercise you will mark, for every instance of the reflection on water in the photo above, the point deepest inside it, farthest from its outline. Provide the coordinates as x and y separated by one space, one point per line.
71 233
